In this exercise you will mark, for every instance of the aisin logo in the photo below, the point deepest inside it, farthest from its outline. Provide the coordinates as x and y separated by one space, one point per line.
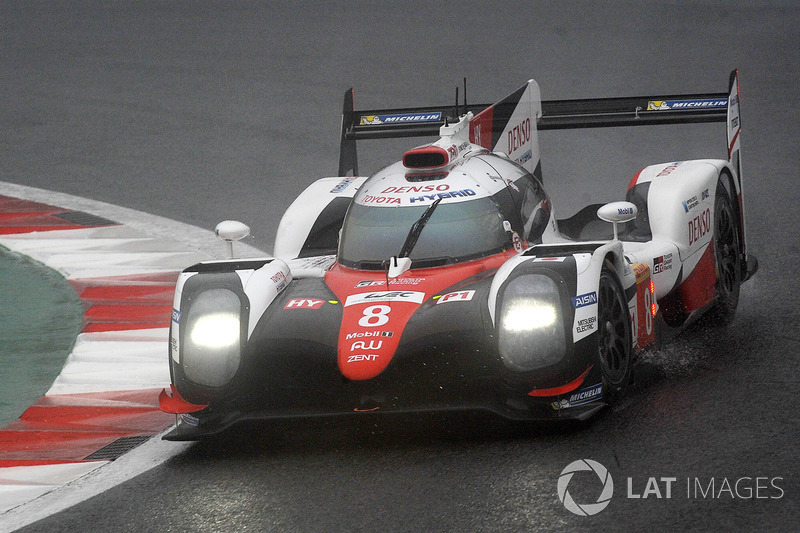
585 509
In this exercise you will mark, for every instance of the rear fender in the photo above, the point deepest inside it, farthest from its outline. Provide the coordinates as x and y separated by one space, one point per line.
680 203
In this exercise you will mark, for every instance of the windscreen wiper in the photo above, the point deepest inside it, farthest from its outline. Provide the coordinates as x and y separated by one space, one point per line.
416 229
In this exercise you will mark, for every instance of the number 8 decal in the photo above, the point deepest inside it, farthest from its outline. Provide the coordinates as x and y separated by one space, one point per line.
375 315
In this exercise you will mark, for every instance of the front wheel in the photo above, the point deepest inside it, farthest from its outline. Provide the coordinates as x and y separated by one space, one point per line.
615 346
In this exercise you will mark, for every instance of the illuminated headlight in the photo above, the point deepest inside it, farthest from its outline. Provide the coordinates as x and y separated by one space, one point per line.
211 351
530 326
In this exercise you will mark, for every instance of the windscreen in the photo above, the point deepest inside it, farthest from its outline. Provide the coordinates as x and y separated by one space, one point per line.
457 231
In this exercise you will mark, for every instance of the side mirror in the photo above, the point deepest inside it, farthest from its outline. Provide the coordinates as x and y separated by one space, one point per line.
617 212
398 265
229 231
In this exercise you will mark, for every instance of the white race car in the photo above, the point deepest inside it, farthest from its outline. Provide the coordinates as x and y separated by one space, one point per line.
445 280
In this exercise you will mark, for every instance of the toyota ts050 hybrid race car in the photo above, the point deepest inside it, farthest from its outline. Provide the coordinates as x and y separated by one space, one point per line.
445 280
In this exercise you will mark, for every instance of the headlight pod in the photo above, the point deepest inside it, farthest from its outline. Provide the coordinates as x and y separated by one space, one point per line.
212 346
531 326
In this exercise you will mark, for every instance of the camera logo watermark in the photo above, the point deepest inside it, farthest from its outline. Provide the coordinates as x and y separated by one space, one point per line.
591 508
586 486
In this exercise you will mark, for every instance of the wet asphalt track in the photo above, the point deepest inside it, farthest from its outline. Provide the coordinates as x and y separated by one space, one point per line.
208 111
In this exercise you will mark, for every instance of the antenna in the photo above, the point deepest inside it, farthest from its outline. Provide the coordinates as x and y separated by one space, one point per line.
455 110
465 95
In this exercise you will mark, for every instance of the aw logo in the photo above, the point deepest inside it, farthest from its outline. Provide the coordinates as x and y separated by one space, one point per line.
585 509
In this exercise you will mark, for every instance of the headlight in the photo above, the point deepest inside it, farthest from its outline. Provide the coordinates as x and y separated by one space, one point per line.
531 327
211 351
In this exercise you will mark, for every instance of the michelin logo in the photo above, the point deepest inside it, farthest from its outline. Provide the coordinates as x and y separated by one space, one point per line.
680 105
404 118
583 396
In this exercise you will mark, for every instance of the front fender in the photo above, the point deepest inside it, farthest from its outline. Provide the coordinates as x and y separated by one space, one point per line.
216 308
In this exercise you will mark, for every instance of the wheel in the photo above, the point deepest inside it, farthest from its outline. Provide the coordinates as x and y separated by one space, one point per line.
727 257
615 346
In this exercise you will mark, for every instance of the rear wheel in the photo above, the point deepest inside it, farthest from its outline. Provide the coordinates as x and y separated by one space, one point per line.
615 346
727 257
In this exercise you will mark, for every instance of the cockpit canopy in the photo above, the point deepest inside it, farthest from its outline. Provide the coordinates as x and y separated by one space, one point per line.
456 232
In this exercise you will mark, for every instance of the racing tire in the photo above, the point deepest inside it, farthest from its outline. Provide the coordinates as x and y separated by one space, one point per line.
727 257
615 346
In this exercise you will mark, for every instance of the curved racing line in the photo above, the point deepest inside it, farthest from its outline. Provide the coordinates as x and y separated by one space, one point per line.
104 402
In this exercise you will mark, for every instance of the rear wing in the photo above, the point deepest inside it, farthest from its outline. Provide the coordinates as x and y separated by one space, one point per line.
553 115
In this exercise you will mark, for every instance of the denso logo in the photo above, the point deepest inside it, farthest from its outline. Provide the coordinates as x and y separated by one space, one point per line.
519 135
699 226
416 188
362 345
584 299
304 303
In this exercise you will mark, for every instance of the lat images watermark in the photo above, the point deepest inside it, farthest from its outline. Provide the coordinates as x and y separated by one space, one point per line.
662 487
585 509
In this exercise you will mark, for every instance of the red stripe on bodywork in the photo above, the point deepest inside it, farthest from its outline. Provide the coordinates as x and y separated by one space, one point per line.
634 179
370 331
480 128
172 402
699 288
563 389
